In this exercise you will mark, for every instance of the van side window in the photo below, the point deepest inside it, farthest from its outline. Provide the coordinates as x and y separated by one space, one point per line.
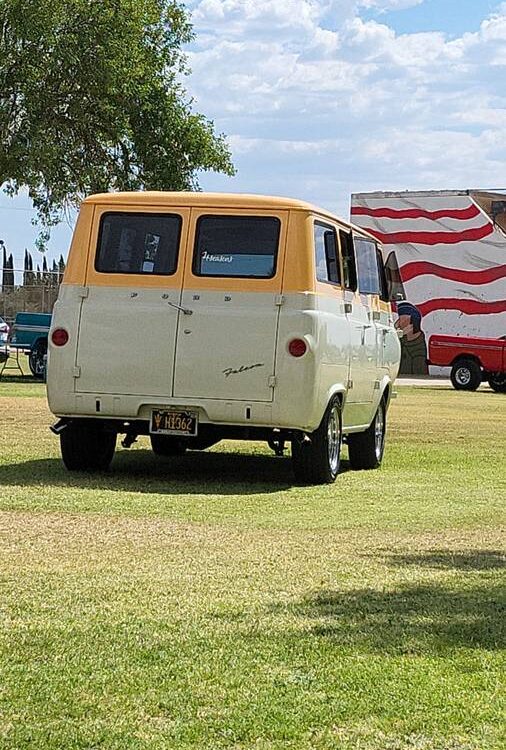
326 253
367 266
348 255
138 243
384 294
239 246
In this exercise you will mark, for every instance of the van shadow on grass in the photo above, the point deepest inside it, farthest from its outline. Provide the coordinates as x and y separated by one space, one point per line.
409 619
196 473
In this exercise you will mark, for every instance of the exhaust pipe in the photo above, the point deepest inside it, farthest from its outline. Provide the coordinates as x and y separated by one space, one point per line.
60 425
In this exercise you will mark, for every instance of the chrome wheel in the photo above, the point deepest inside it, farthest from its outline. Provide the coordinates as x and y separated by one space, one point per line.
463 376
379 432
365 449
466 375
334 439
316 456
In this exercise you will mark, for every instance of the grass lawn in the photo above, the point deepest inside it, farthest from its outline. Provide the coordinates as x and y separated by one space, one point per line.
208 602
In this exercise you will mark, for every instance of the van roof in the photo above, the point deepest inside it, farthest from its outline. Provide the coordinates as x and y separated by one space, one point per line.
214 200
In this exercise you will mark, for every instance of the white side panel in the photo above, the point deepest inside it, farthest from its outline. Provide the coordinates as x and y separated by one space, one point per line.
61 359
226 347
303 383
363 362
334 342
127 340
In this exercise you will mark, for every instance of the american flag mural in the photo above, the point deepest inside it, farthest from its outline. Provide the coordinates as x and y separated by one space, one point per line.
449 251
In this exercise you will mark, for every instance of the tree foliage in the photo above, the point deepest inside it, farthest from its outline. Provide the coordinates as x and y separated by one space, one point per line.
91 100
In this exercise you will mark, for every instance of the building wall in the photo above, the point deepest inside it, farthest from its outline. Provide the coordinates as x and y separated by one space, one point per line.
450 252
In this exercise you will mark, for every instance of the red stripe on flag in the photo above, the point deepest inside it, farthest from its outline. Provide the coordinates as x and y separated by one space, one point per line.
432 238
486 276
466 306
417 213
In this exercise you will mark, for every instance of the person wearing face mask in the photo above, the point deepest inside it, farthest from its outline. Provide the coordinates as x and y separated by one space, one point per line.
413 346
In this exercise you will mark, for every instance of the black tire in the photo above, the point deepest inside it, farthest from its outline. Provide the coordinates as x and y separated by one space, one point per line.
466 375
498 382
365 449
37 360
87 447
167 445
316 458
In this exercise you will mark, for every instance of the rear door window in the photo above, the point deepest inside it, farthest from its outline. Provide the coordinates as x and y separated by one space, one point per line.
136 243
238 246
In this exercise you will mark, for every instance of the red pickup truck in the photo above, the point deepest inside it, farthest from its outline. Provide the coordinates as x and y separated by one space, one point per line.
472 360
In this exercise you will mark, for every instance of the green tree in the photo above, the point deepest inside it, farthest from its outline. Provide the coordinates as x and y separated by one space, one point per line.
91 100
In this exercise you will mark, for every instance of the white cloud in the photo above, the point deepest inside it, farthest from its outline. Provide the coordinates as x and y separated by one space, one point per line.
384 5
318 101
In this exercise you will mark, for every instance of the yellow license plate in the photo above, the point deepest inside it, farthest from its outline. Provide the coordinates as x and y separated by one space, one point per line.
173 422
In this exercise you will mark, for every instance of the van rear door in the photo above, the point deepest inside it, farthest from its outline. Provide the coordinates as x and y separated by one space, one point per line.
130 304
226 338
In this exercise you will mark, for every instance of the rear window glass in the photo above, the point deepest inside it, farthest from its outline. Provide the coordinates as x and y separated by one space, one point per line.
138 243
244 246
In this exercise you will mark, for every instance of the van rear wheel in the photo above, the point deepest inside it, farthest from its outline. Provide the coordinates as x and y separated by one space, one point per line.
316 458
87 447
167 445
365 449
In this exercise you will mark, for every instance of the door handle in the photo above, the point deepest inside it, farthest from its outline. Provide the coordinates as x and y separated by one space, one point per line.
184 310
348 307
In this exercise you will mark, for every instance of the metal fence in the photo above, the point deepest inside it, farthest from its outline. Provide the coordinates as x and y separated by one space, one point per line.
30 291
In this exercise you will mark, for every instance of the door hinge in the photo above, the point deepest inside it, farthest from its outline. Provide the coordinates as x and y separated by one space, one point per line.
83 291
350 384
348 308
376 315
376 385
76 372
272 381
280 300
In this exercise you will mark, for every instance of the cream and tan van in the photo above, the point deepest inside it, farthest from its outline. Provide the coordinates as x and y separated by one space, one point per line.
194 317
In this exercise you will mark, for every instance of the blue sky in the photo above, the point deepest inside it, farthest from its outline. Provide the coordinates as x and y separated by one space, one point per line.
323 98
454 17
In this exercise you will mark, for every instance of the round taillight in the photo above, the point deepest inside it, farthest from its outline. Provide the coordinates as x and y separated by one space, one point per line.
59 337
297 347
